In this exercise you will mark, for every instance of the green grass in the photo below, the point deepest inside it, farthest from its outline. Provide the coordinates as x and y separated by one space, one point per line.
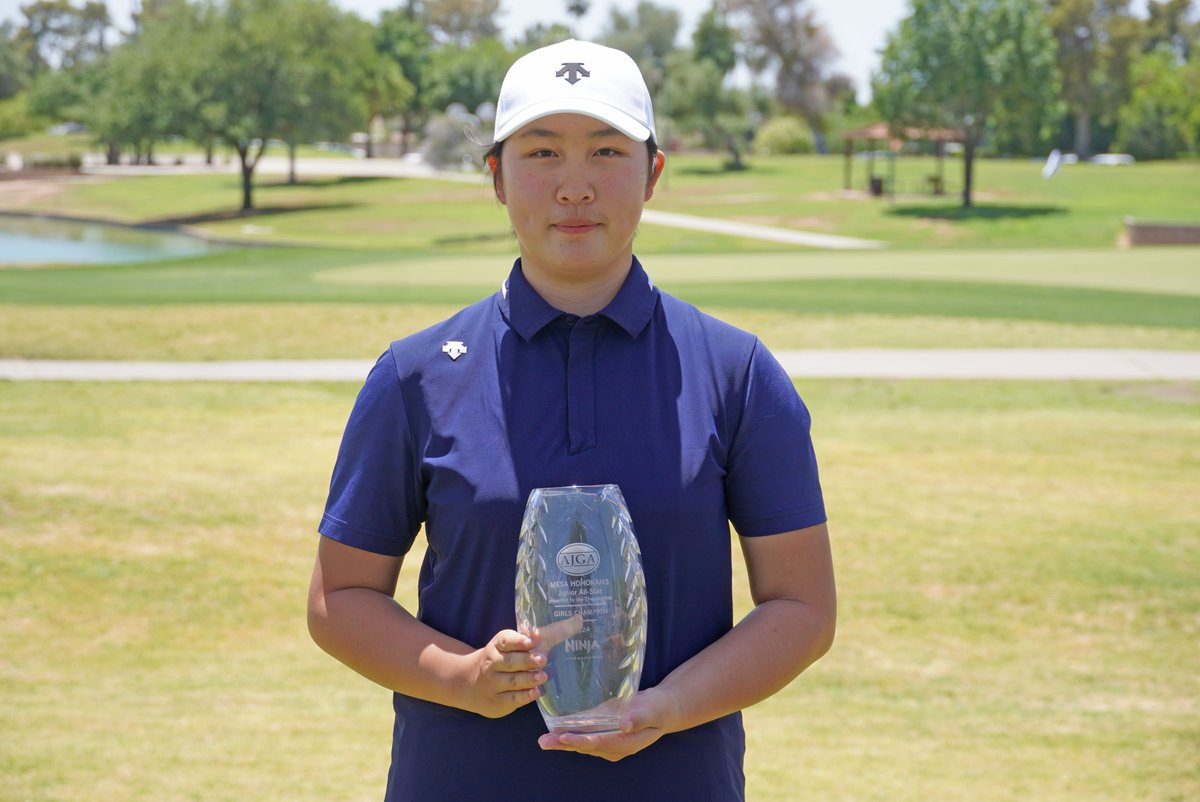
1081 207
265 276
360 331
47 145
322 303
1017 567
307 303
1017 562
397 249
414 216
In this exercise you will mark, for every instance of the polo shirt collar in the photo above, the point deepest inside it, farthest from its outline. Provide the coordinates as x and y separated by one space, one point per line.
528 313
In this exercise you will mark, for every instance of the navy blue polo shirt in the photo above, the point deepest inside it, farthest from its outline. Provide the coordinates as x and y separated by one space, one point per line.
693 419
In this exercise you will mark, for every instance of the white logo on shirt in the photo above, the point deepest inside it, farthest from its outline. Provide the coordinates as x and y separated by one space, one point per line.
454 349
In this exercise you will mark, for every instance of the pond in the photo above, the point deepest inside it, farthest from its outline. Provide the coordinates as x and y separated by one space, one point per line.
29 240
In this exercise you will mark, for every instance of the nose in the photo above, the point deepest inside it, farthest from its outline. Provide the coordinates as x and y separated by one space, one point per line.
575 187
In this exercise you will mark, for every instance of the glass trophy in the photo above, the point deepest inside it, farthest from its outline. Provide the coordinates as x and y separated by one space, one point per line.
580 587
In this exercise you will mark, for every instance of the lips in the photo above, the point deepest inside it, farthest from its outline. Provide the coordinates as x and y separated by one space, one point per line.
576 225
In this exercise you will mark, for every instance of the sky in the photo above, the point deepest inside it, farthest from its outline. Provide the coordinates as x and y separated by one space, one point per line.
858 27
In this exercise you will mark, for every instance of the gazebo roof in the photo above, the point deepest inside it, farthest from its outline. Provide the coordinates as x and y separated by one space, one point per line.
880 130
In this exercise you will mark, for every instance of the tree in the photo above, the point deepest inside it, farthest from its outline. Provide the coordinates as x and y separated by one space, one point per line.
40 32
252 78
1167 25
462 22
541 35
785 37
702 104
12 69
1097 41
57 34
578 9
403 37
469 76
138 99
278 68
715 39
388 91
1161 118
648 36
331 75
963 63
144 91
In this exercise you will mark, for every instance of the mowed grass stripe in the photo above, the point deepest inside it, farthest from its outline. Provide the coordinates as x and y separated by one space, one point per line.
359 331
323 276
954 299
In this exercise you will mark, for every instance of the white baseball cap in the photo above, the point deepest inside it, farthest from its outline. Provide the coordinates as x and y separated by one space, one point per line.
574 77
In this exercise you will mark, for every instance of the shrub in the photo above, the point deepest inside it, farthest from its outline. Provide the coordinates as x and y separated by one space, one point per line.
15 117
782 135
70 161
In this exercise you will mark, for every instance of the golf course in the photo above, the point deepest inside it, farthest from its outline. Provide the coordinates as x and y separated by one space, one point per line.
1018 562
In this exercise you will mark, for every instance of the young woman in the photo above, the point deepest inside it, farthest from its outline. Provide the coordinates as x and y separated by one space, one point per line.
578 371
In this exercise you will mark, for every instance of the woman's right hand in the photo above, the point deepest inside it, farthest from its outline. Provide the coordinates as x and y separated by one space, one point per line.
505 674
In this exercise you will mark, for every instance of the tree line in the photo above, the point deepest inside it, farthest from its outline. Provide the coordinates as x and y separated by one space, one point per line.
1016 77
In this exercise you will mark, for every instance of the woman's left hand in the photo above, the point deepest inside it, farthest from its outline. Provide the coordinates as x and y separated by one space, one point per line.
644 722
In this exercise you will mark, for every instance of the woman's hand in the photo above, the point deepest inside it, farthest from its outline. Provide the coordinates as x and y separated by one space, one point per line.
504 675
646 719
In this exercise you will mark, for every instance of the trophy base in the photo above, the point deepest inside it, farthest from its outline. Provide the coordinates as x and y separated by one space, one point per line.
586 723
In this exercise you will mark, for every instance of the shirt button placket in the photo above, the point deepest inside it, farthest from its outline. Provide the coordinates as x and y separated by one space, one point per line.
581 384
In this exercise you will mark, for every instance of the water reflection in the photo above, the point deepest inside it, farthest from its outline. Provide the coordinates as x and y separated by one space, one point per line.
27 240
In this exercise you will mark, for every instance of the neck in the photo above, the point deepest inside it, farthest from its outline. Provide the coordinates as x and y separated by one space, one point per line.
585 295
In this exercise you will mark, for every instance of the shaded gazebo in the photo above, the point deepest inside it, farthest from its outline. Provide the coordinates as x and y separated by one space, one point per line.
881 132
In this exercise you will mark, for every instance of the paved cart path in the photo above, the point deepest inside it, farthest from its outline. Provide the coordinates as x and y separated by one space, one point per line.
1048 364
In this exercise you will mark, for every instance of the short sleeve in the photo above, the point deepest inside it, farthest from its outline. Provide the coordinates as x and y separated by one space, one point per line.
374 501
771 483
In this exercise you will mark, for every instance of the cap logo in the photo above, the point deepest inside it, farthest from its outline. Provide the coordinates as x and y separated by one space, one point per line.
572 71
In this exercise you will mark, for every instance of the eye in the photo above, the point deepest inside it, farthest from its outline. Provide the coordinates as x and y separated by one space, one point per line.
541 153
608 151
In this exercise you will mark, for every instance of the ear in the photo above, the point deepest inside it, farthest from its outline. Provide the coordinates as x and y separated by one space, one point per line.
660 159
497 178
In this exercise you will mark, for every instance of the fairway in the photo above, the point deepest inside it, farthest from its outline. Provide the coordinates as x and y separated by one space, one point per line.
327 303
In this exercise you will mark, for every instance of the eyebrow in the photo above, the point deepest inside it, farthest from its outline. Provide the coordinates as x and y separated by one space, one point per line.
545 133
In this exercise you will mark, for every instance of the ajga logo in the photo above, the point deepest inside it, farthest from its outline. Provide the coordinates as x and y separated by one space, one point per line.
578 559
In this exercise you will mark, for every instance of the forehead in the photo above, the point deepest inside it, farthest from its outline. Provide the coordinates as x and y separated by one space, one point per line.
569 126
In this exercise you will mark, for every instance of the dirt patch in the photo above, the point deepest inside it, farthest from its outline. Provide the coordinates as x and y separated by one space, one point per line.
21 192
